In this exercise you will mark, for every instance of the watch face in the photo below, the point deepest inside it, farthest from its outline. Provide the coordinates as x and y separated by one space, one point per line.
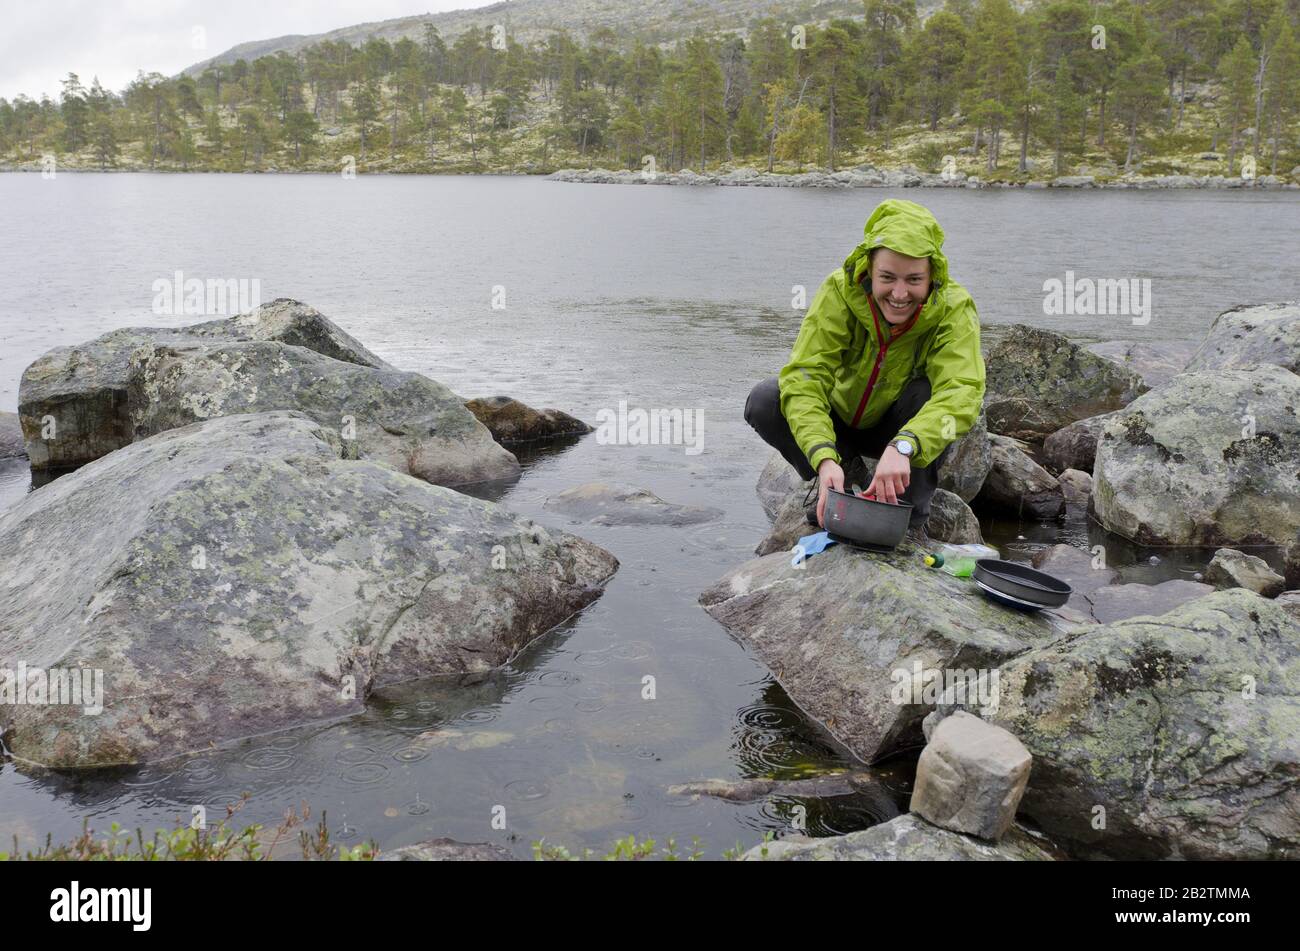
904 447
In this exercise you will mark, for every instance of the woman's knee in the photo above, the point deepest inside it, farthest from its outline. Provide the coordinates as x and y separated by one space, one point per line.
764 404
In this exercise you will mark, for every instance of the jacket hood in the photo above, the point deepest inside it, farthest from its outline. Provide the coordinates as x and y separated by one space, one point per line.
905 227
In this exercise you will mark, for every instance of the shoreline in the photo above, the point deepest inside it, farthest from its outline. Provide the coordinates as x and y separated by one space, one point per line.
862 176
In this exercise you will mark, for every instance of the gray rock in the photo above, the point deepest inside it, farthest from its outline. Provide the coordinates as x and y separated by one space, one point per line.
1075 446
604 504
1074 181
405 420
1230 568
970 777
449 850
751 790
951 520
968 462
846 633
1118 602
776 483
1156 363
510 421
237 577
11 437
907 838
1076 486
1289 601
82 390
1016 484
1177 467
1168 737
1083 571
1038 382
1249 336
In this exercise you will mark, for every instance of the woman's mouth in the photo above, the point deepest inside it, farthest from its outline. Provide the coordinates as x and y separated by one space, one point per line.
897 307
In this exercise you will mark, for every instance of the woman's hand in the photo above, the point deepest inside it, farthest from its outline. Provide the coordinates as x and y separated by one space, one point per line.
893 474
829 476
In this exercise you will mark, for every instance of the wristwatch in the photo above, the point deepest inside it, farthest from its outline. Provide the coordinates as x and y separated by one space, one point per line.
904 446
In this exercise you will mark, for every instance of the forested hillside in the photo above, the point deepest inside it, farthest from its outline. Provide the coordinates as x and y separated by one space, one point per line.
1009 92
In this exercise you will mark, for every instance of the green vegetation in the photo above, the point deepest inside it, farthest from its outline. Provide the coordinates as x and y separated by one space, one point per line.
979 86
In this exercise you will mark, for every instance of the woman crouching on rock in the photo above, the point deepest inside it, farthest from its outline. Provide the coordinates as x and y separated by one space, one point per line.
887 365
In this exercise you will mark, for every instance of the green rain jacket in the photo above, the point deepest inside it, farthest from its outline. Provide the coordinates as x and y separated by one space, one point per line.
840 363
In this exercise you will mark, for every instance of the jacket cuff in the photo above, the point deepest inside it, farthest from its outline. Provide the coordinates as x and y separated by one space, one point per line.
821 452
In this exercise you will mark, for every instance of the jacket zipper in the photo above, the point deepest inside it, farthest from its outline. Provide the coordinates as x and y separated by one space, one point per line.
875 370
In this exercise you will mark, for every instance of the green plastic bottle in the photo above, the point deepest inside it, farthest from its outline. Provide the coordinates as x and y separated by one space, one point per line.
957 567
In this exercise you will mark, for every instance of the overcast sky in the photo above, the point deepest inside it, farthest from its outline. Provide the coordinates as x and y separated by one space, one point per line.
41 41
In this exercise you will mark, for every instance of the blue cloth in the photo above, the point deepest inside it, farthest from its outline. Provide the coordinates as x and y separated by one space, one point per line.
811 545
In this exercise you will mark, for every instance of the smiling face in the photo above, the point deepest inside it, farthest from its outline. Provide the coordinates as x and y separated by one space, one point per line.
899 284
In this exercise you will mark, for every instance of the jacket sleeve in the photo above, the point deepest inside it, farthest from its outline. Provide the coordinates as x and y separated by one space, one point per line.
807 380
955 368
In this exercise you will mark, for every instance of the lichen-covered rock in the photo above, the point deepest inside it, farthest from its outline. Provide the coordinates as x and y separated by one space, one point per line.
11 437
511 421
1210 458
1155 362
449 850
846 631
1038 382
907 838
1018 485
405 420
968 461
603 504
951 520
72 400
1250 336
970 777
1075 446
1181 728
238 576
1230 568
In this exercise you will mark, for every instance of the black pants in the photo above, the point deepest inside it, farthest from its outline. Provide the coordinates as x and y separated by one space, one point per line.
763 412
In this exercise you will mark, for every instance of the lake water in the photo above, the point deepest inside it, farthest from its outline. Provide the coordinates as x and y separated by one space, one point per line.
657 296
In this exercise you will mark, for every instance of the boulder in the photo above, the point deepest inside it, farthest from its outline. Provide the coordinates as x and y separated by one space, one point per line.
968 462
1249 336
238 576
970 777
1211 458
1016 484
951 520
1167 737
449 850
1074 181
776 483
11 437
907 838
1155 362
510 421
81 391
848 632
404 420
1038 382
1289 601
1076 486
1230 568
603 504
1075 446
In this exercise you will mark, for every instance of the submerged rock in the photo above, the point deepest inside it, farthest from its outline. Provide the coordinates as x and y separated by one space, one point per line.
1230 568
1168 737
1038 382
1210 458
848 631
405 420
604 504
511 421
907 838
1120 601
80 392
237 576
1018 485
11 437
1250 336
449 850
